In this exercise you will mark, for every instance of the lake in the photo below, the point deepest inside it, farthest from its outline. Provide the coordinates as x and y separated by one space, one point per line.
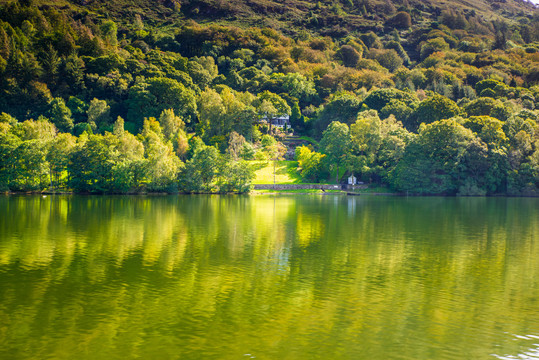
268 277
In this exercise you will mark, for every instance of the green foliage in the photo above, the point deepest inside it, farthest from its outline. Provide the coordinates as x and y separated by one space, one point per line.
101 164
396 45
298 86
378 99
487 106
488 129
335 144
8 162
398 109
225 81
235 176
487 84
225 112
7 119
60 115
454 20
58 156
311 165
78 108
109 31
271 104
343 108
377 146
435 108
50 62
161 164
432 163
98 114
297 121
349 56
200 172
433 45
388 58
30 165
170 123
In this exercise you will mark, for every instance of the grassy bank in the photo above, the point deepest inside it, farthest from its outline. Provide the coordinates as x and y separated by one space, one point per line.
285 172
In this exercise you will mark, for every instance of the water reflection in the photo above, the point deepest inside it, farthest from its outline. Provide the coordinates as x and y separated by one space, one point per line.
218 277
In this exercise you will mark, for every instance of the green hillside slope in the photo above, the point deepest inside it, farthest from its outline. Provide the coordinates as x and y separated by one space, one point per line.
374 82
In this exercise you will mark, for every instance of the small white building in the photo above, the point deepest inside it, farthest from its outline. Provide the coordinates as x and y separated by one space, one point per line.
279 122
352 180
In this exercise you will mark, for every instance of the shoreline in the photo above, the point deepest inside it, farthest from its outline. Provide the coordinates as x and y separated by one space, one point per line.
256 193
274 189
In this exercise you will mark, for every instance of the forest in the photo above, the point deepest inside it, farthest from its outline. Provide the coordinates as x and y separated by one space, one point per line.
420 97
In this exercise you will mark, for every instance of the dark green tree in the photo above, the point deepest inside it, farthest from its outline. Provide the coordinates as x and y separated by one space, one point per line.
60 115
336 145
435 162
149 98
201 170
434 108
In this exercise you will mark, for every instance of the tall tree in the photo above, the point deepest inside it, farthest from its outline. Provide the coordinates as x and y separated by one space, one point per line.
335 144
60 115
201 170
50 62
162 164
99 113
170 123
58 157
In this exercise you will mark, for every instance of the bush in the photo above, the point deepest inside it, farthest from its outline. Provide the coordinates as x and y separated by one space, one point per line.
349 55
388 58
432 46
401 20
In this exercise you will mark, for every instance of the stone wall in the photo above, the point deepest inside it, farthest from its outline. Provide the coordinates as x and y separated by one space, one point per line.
296 186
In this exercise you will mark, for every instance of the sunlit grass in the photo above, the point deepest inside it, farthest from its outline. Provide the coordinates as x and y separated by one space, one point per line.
285 172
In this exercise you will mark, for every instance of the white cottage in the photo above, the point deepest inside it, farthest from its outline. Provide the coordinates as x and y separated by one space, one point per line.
279 122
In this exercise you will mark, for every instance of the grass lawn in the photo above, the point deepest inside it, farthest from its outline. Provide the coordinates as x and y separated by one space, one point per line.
309 139
285 172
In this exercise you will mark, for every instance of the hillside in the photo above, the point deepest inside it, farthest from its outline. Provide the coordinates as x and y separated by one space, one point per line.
295 14
182 77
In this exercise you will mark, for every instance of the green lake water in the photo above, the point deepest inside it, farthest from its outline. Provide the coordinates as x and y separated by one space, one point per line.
264 277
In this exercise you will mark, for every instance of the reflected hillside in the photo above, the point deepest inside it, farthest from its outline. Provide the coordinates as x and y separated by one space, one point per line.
217 277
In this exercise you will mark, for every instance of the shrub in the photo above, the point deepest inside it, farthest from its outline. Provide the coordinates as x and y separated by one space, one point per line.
349 55
401 20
